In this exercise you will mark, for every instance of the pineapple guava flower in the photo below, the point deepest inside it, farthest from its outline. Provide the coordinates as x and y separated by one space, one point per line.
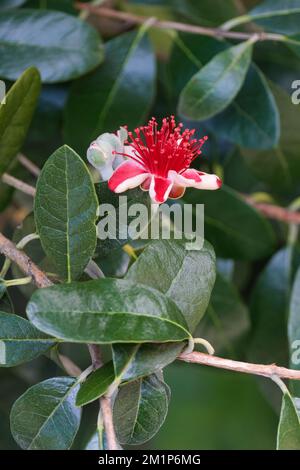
103 152
159 161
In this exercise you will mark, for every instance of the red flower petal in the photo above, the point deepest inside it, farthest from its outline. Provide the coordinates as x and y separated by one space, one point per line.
127 176
199 180
160 189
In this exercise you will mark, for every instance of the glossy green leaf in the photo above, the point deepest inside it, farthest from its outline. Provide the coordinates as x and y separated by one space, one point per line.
65 212
20 341
247 122
234 228
8 4
118 93
226 321
96 384
205 12
280 166
140 410
107 311
45 417
16 114
214 87
60 46
121 203
288 436
185 276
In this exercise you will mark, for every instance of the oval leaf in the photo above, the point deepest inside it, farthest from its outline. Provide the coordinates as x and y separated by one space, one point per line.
65 212
118 93
20 341
214 87
45 417
96 384
107 311
247 122
16 114
60 46
288 435
140 410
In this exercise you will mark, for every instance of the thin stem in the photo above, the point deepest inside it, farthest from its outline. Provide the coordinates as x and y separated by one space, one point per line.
69 366
27 266
18 282
183 27
20 245
18 184
107 417
236 366
29 165
105 402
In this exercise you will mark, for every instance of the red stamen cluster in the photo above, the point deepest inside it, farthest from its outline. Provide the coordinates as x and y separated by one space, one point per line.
169 148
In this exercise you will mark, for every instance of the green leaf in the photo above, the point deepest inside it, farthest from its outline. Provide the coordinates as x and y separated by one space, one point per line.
166 265
118 93
226 320
65 212
234 228
7 4
140 410
45 417
280 166
96 384
16 115
132 361
288 435
214 87
294 328
251 123
206 12
107 311
269 307
120 202
185 276
60 46
282 16
20 341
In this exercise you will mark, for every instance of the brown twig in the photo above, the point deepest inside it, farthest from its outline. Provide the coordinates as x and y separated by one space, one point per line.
237 366
18 184
29 165
27 266
274 212
105 402
183 27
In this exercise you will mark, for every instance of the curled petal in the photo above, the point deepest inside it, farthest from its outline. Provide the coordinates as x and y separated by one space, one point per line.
127 176
196 179
160 189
